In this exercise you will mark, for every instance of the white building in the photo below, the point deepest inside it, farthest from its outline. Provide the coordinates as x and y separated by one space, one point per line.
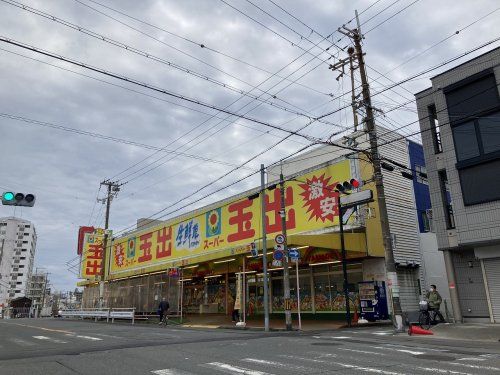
17 253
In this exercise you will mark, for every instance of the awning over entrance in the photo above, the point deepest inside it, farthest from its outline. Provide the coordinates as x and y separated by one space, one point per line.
353 241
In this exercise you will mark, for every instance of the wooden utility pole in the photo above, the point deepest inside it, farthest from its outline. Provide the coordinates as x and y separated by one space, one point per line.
356 37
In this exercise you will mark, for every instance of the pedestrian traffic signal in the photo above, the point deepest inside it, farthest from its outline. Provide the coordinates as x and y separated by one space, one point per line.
10 198
347 185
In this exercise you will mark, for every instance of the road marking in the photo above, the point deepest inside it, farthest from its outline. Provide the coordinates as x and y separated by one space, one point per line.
22 342
440 371
382 333
225 367
301 358
472 359
409 351
170 371
361 351
332 337
89 338
475 366
345 365
50 339
277 364
415 347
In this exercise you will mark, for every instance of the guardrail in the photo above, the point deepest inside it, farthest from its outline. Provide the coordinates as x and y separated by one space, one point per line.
118 313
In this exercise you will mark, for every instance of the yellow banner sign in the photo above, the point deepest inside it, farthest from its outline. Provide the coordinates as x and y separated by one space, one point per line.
91 262
311 204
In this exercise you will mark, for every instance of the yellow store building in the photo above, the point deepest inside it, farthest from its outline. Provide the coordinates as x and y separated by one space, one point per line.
201 252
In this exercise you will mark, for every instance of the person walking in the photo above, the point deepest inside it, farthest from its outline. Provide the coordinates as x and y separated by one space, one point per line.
163 309
434 299
235 316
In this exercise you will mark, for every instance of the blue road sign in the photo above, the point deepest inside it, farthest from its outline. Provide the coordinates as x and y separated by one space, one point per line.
294 254
278 255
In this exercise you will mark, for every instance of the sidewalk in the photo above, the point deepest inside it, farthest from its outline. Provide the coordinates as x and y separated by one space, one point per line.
468 331
223 321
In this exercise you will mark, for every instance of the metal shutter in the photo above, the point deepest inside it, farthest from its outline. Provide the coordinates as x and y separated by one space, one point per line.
492 270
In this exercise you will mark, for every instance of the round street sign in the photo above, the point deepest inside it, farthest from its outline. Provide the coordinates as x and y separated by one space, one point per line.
280 239
278 255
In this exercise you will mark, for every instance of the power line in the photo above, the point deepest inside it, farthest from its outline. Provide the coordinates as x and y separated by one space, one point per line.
148 86
110 138
163 61
198 44
392 16
203 197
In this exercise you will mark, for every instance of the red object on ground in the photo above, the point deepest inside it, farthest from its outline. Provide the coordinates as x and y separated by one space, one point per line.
356 317
416 330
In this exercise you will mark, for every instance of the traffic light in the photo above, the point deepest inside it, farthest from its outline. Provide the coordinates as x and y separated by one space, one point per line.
10 198
347 185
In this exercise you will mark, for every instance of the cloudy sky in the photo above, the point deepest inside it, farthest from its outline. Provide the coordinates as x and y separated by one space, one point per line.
270 64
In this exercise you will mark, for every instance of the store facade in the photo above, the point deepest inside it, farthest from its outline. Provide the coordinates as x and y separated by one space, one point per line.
196 259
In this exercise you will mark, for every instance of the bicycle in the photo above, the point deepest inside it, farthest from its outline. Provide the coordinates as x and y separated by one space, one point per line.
164 319
427 317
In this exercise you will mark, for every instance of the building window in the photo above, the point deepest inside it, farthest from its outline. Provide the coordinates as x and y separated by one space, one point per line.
477 140
446 198
427 220
472 96
421 172
435 131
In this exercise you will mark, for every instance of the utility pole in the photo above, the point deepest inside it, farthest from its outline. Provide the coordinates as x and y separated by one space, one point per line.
355 36
112 191
42 303
344 267
286 274
264 246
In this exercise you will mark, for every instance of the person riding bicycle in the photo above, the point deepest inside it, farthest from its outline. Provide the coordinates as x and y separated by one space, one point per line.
434 299
163 309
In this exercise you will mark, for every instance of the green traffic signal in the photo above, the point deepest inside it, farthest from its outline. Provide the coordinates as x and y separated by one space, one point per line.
8 196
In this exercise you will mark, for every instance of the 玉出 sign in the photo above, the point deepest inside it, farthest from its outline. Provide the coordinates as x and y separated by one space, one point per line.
311 204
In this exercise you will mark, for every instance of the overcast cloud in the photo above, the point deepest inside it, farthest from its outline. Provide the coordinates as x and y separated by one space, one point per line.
64 169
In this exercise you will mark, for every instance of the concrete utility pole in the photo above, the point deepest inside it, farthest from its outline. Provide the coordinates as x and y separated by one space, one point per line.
355 36
286 273
264 246
113 189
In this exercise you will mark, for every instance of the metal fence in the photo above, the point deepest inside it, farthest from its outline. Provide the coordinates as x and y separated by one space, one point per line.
143 293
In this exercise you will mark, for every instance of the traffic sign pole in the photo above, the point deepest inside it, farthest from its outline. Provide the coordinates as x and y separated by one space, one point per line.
264 246
286 274
298 291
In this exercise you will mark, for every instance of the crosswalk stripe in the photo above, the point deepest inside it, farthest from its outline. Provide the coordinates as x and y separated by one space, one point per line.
441 371
22 342
409 351
278 364
89 338
491 368
50 339
361 351
170 371
345 365
225 367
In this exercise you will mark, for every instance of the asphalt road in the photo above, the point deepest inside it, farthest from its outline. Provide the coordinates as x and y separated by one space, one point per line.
51 346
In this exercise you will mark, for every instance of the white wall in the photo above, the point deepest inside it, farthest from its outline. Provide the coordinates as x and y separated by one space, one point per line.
433 266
